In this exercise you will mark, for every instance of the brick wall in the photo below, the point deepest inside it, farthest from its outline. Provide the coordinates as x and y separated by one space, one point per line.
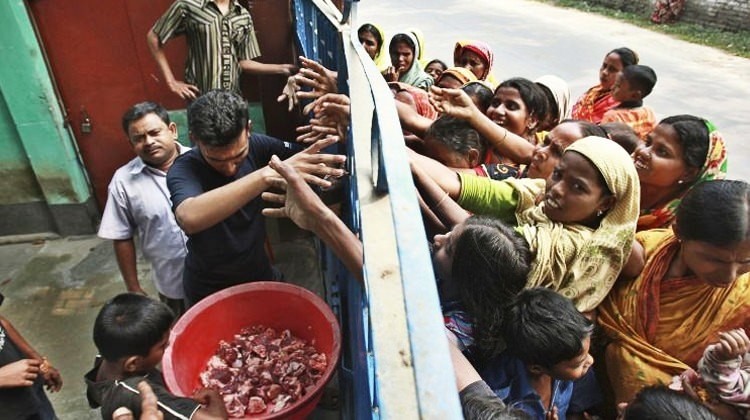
730 15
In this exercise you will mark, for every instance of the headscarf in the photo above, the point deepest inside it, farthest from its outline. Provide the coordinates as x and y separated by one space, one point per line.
483 51
462 74
560 91
715 167
421 54
416 75
577 262
382 58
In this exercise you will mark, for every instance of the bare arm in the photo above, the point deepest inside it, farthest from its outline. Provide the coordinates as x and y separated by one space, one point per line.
635 262
256 67
199 213
438 200
457 103
411 120
181 89
125 254
307 210
34 365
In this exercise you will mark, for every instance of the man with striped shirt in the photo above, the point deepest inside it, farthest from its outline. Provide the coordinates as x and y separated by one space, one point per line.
221 44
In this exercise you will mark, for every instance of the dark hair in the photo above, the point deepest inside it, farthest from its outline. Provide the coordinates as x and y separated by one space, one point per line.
716 212
489 407
406 39
130 324
622 134
693 136
372 30
491 263
457 134
140 110
642 78
531 94
479 91
544 328
445 66
553 111
661 403
216 118
587 128
627 56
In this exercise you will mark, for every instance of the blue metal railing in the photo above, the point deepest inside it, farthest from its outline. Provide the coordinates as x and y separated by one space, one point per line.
395 361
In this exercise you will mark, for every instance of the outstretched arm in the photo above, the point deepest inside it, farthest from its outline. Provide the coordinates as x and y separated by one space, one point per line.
201 212
457 103
307 210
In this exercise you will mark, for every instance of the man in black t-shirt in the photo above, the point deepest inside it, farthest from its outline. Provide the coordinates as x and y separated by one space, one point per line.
215 190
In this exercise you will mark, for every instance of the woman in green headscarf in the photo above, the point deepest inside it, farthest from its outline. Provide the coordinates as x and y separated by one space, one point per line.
406 68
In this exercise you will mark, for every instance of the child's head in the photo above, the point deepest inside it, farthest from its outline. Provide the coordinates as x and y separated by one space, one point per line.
480 93
633 83
519 106
484 263
548 334
435 68
594 178
661 403
454 78
454 143
133 329
622 134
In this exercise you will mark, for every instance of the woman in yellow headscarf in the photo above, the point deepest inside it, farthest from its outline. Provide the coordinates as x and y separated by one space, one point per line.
581 231
373 40
693 284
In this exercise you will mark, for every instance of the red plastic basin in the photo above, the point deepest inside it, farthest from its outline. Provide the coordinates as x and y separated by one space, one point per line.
195 337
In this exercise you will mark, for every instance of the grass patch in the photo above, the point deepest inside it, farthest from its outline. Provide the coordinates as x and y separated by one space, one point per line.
736 43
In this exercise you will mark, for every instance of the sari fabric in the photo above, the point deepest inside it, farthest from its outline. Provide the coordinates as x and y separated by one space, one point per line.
592 105
661 326
715 167
484 52
416 75
421 99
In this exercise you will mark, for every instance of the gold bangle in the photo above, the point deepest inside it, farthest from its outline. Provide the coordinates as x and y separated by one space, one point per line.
45 366
440 203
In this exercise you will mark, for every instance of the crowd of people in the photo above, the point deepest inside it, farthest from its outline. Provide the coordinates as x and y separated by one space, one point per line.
589 259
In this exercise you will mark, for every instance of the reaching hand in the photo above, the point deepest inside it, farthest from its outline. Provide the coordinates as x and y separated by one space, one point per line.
183 90
299 203
331 113
391 74
289 93
314 75
314 166
732 344
20 373
453 102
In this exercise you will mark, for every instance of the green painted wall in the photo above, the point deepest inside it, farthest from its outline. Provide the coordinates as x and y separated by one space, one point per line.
16 176
30 102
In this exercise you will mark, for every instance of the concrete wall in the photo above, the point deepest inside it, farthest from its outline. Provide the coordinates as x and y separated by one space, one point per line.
729 15
43 184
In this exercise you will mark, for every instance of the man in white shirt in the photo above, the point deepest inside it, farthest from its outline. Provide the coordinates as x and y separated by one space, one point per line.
138 203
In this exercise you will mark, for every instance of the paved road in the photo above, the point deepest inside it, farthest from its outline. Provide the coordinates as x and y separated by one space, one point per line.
532 39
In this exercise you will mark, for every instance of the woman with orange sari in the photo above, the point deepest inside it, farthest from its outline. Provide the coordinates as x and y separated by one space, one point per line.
592 105
694 284
681 152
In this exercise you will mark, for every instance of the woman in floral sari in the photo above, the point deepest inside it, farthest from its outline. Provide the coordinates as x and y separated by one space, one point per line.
681 152
694 284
